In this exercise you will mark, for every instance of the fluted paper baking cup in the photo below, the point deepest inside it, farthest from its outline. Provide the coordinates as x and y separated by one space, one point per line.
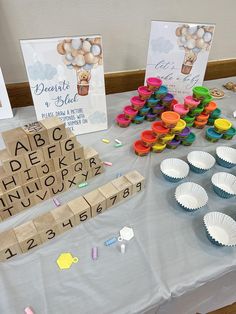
191 196
226 156
174 169
224 184
200 161
221 229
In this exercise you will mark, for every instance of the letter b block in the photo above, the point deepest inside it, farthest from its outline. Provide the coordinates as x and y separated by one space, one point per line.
37 135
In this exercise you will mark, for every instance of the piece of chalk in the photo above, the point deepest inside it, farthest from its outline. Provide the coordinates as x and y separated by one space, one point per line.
94 253
82 185
56 202
118 145
117 141
107 163
118 175
110 241
122 248
28 310
104 140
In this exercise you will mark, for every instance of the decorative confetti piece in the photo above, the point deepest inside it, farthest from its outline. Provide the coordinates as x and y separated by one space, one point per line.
111 241
28 310
106 141
118 145
107 163
65 260
95 253
118 141
56 202
82 185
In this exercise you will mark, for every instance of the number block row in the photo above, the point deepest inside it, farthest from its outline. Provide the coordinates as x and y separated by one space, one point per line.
46 227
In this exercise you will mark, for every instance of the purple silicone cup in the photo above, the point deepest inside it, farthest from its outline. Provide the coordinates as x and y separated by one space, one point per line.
158 109
151 116
167 99
185 133
173 144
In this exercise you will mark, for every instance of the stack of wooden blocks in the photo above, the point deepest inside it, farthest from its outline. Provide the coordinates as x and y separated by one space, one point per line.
42 159
47 226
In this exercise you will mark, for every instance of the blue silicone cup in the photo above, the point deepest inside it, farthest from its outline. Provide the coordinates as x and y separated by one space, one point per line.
221 192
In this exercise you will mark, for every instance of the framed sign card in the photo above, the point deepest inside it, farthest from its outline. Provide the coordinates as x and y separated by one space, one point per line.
5 106
66 79
178 54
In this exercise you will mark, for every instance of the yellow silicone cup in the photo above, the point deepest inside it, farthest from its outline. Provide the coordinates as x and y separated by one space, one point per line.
181 124
167 138
158 148
222 125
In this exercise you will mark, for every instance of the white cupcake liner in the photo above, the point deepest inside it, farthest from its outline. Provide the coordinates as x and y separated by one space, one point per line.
226 156
221 228
174 169
191 196
200 161
224 183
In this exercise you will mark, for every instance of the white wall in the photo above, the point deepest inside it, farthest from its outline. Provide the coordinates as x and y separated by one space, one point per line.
124 25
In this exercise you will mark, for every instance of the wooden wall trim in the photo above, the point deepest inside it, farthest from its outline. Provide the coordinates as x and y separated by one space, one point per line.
20 95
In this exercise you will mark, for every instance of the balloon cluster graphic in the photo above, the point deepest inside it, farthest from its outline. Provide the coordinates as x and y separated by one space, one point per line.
81 55
193 40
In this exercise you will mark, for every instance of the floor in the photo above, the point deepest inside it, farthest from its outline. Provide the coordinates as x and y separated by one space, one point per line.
231 309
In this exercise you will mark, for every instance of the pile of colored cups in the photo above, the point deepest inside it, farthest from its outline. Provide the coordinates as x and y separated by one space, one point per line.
168 132
152 100
222 129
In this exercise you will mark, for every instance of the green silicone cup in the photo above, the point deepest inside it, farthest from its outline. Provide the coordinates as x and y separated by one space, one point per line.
200 92
206 100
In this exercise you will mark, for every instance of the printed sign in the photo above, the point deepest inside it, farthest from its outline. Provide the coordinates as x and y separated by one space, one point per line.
178 54
5 106
66 79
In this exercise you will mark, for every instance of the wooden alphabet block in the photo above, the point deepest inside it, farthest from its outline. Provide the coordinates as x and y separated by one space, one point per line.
11 164
124 186
15 195
83 176
137 181
9 211
3 200
8 182
32 187
111 194
51 151
96 201
99 169
16 142
34 158
9 246
28 175
27 236
25 203
70 143
55 128
46 227
78 166
91 157
81 209
64 173
37 135
42 195
57 188
48 180
64 218
71 182
45 168
77 154
62 161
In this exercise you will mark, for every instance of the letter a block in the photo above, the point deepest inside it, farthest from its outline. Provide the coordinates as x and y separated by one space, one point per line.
37 135
9 246
55 129
16 142
27 236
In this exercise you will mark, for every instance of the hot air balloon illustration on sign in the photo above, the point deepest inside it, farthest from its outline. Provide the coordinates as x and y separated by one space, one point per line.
193 39
81 55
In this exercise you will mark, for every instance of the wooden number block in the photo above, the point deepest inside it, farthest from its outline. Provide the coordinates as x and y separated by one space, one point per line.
9 246
51 151
8 182
28 175
62 161
57 188
91 157
10 164
110 193
137 181
124 186
46 227
69 143
45 168
96 201
37 134
42 195
64 217
81 209
16 142
77 154
9 211
32 187
15 195
55 128
34 158
48 180
27 236
99 169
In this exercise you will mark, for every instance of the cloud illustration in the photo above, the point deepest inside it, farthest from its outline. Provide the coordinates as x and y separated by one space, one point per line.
97 117
161 45
40 71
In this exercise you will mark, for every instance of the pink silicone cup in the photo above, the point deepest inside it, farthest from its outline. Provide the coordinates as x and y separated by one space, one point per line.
143 90
135 100
121 119
190 101
154 81
180 109
130 111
